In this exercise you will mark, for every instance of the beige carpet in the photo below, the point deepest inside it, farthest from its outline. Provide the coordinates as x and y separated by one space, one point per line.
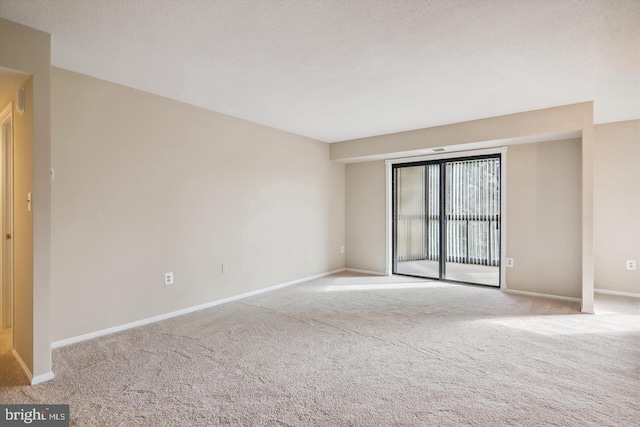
350 350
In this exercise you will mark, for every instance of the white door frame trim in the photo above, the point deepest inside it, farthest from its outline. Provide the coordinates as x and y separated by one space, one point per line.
6 116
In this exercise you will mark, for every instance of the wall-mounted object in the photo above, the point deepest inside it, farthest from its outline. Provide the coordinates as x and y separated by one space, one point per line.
21 101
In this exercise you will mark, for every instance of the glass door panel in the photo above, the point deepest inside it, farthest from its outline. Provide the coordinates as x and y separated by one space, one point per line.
417 220
472 200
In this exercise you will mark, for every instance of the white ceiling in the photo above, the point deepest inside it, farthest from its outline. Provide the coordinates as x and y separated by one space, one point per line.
337 70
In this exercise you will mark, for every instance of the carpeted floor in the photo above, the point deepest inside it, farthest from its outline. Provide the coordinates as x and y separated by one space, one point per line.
350 350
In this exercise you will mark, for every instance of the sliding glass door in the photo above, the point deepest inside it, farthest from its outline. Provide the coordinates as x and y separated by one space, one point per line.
417 220
446 220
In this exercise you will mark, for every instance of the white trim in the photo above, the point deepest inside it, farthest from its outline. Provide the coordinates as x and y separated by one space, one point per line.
7 116
91 335
388 219
42 378
503 219
536 294
372 273
619 293
23 365
6 111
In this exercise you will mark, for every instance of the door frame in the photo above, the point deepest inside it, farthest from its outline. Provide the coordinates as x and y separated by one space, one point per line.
6 161
443 156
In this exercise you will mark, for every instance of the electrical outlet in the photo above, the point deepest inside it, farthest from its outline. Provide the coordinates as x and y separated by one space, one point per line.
631 264
510 262
168 278
341 249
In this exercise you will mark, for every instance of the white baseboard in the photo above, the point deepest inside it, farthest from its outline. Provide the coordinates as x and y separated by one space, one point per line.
42 378
32 380
370 272
91 335
535 294
621 294
23 365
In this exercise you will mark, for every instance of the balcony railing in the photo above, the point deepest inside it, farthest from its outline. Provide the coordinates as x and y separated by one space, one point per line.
471 239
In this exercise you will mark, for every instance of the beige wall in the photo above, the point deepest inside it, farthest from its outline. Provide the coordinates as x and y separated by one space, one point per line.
543 217
545 124
617 205
365 210
27 50
540 176
145 185
557 120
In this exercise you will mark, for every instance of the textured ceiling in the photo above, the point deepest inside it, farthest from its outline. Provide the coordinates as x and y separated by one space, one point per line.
336 70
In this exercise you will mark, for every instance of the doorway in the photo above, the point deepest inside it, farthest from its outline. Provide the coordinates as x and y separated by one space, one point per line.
6 225
446 219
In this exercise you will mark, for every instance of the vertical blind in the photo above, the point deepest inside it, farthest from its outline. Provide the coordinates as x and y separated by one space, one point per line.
410 213
418 213
473 211
472 200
